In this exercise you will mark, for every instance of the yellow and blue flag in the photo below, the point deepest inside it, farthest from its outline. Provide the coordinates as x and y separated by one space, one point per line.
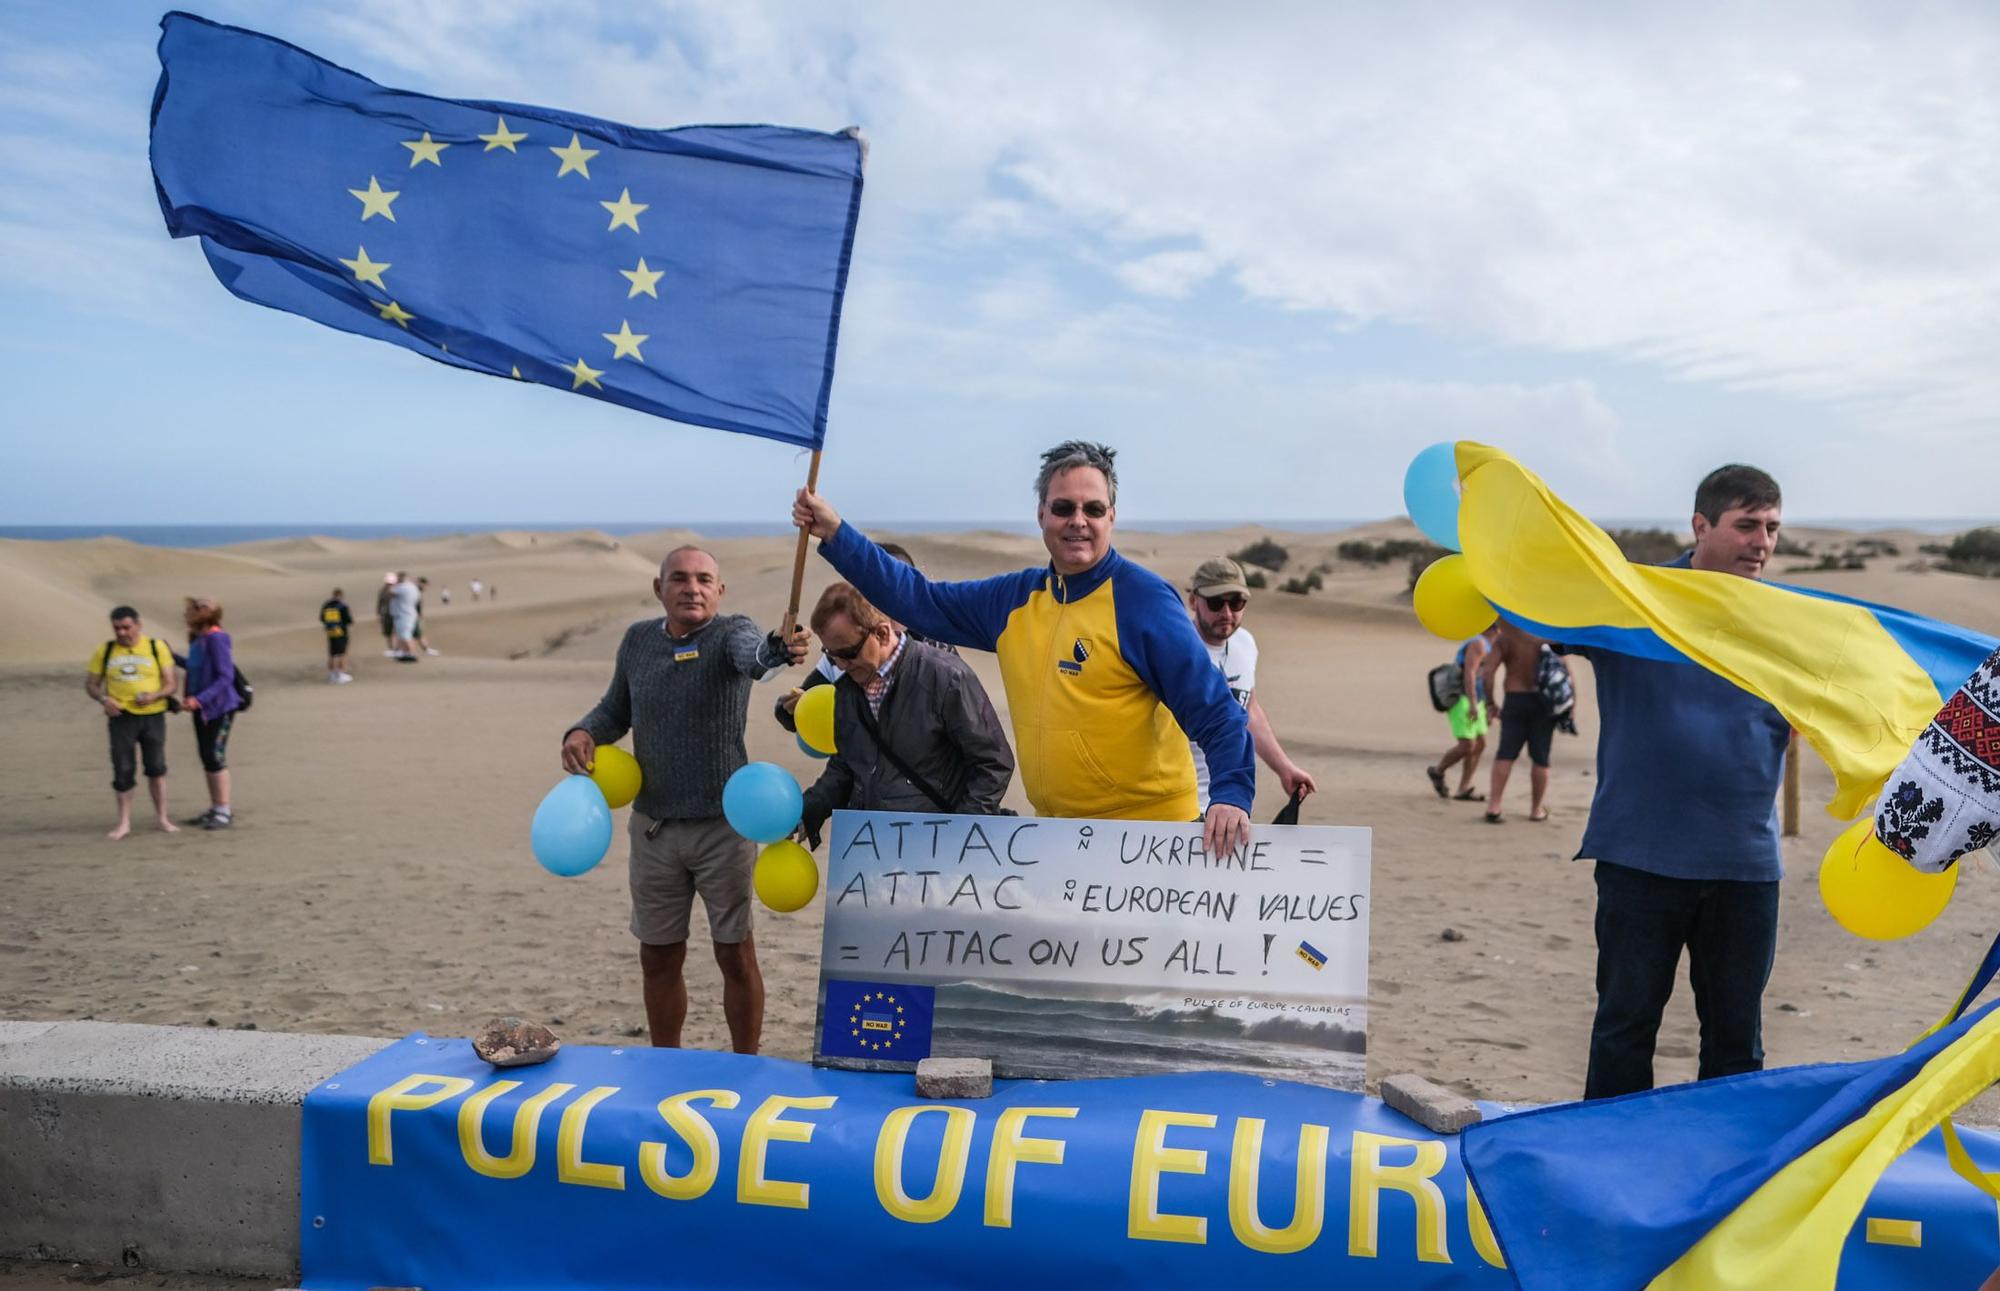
1735 1184
696 274
1858 681
887 1021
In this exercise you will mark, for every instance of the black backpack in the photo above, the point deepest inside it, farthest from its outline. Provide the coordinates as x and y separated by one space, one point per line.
1447 685
245 692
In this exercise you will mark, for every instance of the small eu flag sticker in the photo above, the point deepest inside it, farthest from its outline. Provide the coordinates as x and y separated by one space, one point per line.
886 1020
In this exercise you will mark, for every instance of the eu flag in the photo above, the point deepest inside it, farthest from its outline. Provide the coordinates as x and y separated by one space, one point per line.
890 1021
695 274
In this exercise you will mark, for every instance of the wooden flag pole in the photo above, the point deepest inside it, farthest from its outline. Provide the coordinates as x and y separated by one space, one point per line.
799 556
1791 812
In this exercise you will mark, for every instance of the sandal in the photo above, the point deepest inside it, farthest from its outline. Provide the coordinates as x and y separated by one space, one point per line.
1469 795
1495 818
1437 781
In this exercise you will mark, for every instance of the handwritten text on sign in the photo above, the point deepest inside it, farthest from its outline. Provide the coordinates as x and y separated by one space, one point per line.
1131 924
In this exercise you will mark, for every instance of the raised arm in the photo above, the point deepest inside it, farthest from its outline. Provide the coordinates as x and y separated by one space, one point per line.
965 614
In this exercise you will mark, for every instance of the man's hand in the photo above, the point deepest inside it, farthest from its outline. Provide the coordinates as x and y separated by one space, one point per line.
798 646
1297 781
815 515
1225 829
790 700
579 752
111 708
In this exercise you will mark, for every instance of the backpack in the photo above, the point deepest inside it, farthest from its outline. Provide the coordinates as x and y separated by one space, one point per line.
245 692
1447 685
1557 690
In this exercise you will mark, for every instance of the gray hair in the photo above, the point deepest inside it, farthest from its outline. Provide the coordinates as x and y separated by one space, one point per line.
1069 455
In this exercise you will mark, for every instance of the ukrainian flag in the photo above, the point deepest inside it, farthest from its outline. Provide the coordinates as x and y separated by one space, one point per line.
1858 681
1750 1181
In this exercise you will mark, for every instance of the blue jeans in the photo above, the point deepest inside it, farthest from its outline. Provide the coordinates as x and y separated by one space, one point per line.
1730 930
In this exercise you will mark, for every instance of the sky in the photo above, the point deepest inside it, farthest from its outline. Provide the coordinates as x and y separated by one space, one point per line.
1267 252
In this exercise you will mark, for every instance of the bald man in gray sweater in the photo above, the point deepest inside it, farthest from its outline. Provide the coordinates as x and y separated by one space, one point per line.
682 687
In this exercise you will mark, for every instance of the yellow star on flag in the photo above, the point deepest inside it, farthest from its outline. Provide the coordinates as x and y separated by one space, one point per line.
625 211
576 157
502 138
374 201
394 313
644 280
366 270
583 374
425 149
625 342
517 373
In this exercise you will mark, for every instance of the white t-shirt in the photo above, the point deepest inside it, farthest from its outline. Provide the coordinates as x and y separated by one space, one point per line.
1237 660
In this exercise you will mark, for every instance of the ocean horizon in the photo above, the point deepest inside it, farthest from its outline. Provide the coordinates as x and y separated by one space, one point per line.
224 535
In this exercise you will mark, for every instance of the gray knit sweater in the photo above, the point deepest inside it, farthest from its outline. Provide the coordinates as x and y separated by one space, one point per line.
684 701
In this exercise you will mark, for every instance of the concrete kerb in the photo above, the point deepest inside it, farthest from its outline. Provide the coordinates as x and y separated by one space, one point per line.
168 1147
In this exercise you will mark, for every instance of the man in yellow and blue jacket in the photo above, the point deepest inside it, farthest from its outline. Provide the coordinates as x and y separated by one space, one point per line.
1106 680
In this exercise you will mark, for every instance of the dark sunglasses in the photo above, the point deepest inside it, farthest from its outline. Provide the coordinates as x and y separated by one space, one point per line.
1234 601
848 655
1064 508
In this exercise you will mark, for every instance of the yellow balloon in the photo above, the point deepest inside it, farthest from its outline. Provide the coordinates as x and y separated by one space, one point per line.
786 877
814 717
1874 893
1448 604
617 774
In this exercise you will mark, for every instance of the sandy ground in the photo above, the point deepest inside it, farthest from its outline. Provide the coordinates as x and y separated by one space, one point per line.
379 881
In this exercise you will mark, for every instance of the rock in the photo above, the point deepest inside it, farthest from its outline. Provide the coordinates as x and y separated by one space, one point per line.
510 1042
955 1078
1788 1008
1430 1105
1451 934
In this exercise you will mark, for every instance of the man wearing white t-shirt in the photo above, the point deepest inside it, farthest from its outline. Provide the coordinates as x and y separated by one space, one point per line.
1218 597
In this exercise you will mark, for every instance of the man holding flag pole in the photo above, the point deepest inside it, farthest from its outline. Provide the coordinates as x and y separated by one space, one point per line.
1103 670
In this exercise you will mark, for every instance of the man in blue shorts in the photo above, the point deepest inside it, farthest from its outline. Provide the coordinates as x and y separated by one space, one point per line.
1684 826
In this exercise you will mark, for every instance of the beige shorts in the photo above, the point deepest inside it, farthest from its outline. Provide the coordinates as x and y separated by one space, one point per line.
683 858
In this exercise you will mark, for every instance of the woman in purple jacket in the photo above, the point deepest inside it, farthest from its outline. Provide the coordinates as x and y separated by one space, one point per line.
211 699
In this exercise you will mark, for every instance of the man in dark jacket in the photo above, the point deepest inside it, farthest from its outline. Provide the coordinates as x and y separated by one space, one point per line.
912 725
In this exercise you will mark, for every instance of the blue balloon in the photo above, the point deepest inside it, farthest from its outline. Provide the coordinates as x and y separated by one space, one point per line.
1430 494
809 750
572 829
762 802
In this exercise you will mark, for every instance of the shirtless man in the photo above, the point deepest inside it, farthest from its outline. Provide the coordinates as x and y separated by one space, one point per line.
1524 718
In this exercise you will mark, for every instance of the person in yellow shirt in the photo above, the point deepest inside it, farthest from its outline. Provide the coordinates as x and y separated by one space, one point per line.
131 677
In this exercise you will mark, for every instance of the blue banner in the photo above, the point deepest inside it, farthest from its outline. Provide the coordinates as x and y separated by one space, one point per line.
612 1168
695 274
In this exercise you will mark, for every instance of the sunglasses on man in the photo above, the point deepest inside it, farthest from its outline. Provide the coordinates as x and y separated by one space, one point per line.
1233 601
1064 508
849 655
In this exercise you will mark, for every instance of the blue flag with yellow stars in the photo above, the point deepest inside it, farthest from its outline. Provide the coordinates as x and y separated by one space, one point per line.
890 1021
695 274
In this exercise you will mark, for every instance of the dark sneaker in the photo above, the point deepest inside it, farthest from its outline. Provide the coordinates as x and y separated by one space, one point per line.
217 822
201 820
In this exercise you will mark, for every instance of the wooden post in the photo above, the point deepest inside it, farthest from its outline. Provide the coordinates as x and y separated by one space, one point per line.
1791 812
799 558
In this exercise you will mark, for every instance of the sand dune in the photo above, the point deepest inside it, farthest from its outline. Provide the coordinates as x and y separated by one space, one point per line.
379 881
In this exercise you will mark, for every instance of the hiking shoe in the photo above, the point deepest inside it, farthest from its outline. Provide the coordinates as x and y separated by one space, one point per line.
217 822
200 821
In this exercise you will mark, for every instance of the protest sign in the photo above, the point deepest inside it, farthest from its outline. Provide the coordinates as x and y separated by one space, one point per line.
1070 948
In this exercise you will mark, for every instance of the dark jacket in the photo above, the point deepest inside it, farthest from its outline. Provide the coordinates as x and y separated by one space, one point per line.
938 719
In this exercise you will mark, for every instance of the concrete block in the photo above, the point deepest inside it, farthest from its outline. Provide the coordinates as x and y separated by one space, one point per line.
955 1078
1429 1104
179 1143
